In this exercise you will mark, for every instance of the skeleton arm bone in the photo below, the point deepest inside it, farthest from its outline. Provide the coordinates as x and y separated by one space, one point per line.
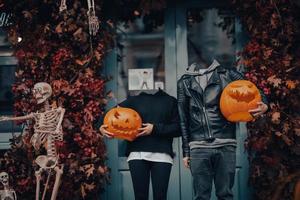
62 113
26 117
15 195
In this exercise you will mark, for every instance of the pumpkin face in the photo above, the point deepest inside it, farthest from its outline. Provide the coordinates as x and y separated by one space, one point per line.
237 98
123 123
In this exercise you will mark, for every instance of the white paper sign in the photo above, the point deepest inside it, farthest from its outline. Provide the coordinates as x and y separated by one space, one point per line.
159 85
140 79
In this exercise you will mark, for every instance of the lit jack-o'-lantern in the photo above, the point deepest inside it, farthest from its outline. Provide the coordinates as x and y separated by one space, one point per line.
123 123
237 98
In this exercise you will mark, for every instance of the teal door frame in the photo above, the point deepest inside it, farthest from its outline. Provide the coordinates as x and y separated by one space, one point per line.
118 165
176 59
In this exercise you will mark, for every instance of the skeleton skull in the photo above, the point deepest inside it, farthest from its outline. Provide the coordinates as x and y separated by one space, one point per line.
4 178
42 91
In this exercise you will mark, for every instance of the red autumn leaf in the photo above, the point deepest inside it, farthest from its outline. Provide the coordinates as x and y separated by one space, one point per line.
286 127
68 124
274 81
27 15
98 55
77 32
287 60
83 192
287 140
291 84
82 62
276 117
110 23
274 20
297 131
59 28
90 187
277 133
268 53
89 73
88 169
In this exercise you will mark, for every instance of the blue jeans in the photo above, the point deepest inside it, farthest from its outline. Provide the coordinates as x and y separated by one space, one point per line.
216 165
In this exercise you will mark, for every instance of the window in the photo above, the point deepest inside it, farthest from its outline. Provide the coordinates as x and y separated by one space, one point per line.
7 77
210 36
141 57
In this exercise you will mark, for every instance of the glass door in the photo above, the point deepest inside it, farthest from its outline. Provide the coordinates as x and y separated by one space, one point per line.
145 60
187 31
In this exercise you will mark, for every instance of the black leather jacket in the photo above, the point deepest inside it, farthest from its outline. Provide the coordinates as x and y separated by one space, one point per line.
200 115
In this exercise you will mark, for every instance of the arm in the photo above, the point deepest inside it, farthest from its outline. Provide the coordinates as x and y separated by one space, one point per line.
183 114
15 195
170 129
21 118
61 117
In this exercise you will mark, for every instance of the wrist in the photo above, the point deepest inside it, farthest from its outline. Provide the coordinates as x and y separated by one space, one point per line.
154 129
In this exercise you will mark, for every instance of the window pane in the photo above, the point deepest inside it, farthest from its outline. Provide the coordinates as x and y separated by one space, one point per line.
7 78
209 38
141 57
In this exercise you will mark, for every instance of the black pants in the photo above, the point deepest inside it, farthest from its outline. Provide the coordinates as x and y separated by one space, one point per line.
213 165
140 173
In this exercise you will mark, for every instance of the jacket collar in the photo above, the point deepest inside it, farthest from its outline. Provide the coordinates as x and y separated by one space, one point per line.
195 68
214 79
195 85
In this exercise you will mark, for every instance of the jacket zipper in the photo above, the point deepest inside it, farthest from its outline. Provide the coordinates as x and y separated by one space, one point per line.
207 122
205 114
204 110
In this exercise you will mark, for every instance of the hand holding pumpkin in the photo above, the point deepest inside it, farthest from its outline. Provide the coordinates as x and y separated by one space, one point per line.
145 130
104 132
241 101
186 162
122 123
261 109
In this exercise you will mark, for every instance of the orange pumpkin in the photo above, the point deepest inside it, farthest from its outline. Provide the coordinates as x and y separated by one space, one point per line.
123 123
237 98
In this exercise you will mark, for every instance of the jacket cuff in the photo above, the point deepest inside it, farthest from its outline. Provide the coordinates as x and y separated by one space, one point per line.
155 129
186 153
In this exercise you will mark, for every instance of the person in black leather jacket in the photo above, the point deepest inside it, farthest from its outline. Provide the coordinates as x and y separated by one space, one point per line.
208 139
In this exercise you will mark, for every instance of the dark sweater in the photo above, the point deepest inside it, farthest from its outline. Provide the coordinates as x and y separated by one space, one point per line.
159 109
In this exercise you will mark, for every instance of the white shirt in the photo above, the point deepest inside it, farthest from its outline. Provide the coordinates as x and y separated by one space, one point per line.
150 156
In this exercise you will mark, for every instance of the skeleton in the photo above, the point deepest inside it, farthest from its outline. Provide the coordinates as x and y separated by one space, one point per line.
47 130
93 19
63 6
7 193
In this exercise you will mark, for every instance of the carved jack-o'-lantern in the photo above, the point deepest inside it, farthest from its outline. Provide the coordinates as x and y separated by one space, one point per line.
237 98
123 123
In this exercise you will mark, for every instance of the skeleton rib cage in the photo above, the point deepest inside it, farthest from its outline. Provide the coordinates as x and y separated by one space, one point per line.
45 130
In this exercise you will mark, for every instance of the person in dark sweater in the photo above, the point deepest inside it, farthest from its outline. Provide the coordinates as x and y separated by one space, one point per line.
151 152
